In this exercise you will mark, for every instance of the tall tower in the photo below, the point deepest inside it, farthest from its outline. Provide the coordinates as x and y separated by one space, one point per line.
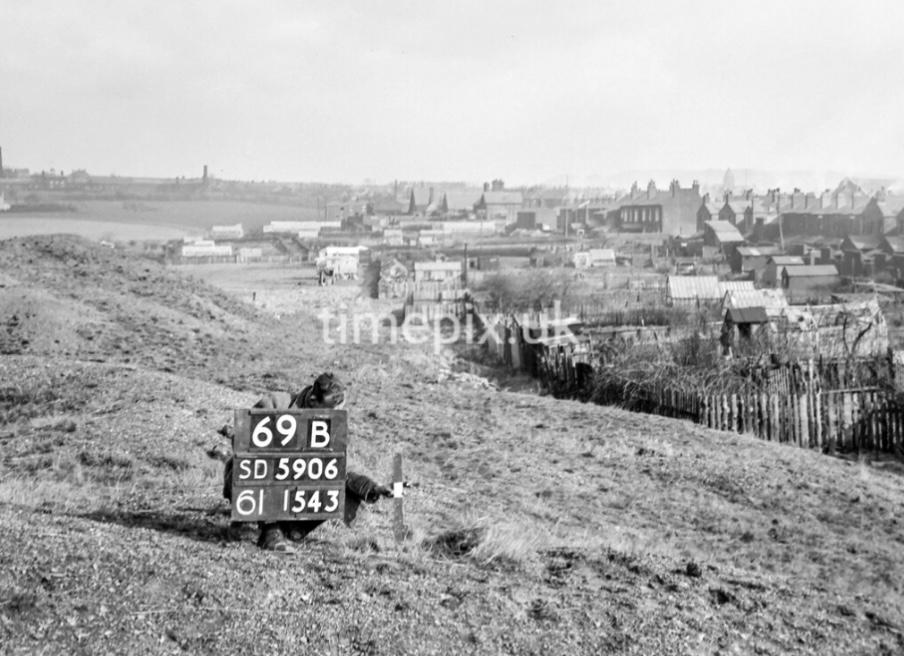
1 162
728 181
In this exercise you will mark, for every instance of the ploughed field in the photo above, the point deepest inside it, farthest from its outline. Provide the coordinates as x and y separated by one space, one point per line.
537 526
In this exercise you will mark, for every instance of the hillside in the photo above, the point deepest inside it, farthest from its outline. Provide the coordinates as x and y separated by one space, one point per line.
538 526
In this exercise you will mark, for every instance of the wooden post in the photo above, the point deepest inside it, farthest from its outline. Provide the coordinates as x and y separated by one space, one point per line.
817 416
804 421
734 413
831 437
845 420
776 436
763 421
398 518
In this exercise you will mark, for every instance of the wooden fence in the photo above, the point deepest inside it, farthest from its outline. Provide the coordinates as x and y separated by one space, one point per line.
848 420
562 367
435 301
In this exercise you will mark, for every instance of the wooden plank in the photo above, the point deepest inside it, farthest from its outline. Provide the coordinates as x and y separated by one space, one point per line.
398 482
735 424
845 441
775 418
763 423
832 426
818 418
804 421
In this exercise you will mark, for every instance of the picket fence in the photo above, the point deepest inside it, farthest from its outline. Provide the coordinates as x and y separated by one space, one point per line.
848 420
434 301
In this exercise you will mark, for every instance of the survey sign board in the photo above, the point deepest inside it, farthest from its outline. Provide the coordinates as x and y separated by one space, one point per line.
289 464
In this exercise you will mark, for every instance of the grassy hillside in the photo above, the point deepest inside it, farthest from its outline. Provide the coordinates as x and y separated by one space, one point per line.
538 526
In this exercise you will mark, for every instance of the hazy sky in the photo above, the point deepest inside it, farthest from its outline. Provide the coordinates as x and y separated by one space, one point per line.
458 90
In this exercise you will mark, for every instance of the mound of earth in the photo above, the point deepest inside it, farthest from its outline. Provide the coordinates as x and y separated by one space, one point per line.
536 525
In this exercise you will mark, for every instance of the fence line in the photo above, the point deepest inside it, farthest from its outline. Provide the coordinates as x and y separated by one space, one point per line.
848 420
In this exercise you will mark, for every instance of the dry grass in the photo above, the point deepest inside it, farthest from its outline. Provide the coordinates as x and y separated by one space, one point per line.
538 526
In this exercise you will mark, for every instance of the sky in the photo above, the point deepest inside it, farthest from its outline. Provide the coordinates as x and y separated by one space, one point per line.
530 92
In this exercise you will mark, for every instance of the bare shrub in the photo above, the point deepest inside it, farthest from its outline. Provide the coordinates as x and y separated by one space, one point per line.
532 290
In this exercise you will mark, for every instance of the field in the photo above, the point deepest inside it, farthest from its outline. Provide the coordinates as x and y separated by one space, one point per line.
119 221
538 526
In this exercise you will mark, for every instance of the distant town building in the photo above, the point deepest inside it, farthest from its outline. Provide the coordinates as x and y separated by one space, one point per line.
343 260
595 257
751 259
227 232
393 237
419 200
249 254
728 181
809 282
723 236
500 204
775 266
445 271
286 226
673 212
206 248
459 203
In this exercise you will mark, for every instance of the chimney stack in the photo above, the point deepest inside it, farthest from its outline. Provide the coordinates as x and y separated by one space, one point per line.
204 177
1 162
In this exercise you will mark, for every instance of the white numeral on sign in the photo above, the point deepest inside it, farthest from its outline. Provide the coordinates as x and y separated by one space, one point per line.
314 502
262 436
286 426
298 467
295 501
331 471
247 504
334 500
315 468
282 469
298 505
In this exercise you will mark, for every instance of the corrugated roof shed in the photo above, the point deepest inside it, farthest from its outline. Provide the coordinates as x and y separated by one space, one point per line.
747 315
758 251
735 285
704 288
786 260
773 300
725 231
811 271
602 254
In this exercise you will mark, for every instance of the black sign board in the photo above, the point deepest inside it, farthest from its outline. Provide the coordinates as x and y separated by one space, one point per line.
289 464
